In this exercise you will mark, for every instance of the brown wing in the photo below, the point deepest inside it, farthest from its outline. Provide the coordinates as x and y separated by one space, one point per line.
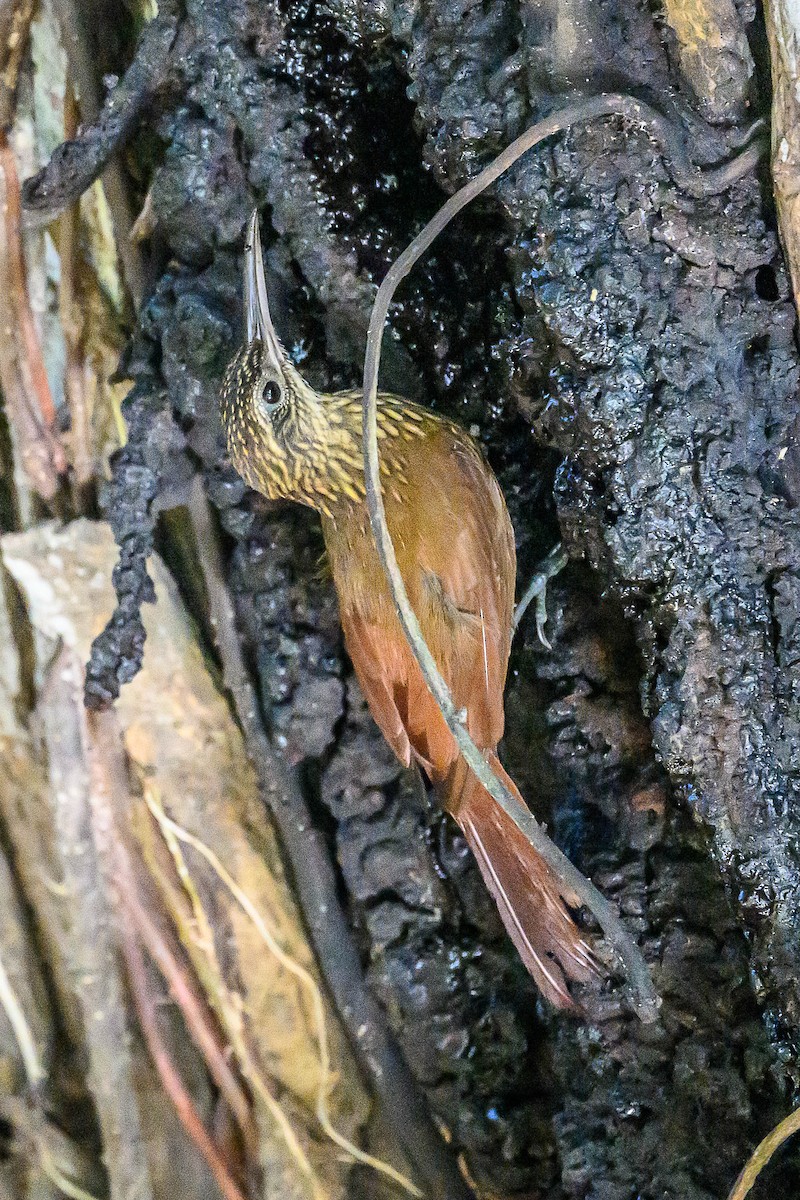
456 552
455 548
468 567
380 664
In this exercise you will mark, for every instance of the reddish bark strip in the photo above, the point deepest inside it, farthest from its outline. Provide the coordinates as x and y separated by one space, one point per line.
29 403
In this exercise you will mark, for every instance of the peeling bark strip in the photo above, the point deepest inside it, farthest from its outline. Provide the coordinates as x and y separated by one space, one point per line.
93 964
22 374
783 31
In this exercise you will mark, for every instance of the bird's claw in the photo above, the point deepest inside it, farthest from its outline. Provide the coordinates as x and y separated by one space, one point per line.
537 590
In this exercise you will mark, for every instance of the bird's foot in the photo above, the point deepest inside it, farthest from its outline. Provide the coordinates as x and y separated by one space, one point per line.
537 590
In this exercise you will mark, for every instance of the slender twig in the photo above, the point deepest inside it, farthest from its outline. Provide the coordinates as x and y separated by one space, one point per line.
54 1173
763 1153
644 996
22 1031
404 1107
198 1020
172 1083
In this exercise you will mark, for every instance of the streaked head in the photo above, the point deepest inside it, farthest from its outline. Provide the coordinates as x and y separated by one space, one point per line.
266 404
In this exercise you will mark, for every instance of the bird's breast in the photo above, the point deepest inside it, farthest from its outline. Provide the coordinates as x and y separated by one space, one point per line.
360 580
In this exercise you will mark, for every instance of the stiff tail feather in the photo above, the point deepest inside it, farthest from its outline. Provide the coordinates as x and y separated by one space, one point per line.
531 901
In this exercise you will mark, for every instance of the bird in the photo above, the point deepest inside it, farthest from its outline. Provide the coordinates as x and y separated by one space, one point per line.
455 548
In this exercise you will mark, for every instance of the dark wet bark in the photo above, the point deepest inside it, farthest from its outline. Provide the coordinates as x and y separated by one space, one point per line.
627 355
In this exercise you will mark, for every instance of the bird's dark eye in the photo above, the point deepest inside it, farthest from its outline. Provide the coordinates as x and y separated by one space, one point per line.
271 394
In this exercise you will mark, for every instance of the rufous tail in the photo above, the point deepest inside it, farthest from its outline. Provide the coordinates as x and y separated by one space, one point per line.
530 899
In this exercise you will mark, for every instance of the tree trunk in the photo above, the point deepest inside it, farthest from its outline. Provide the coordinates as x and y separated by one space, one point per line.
626 354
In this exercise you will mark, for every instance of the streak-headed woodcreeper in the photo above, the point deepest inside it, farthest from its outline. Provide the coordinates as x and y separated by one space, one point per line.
455 548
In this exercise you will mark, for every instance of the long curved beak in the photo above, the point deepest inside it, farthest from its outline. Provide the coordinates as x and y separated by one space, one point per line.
257 321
